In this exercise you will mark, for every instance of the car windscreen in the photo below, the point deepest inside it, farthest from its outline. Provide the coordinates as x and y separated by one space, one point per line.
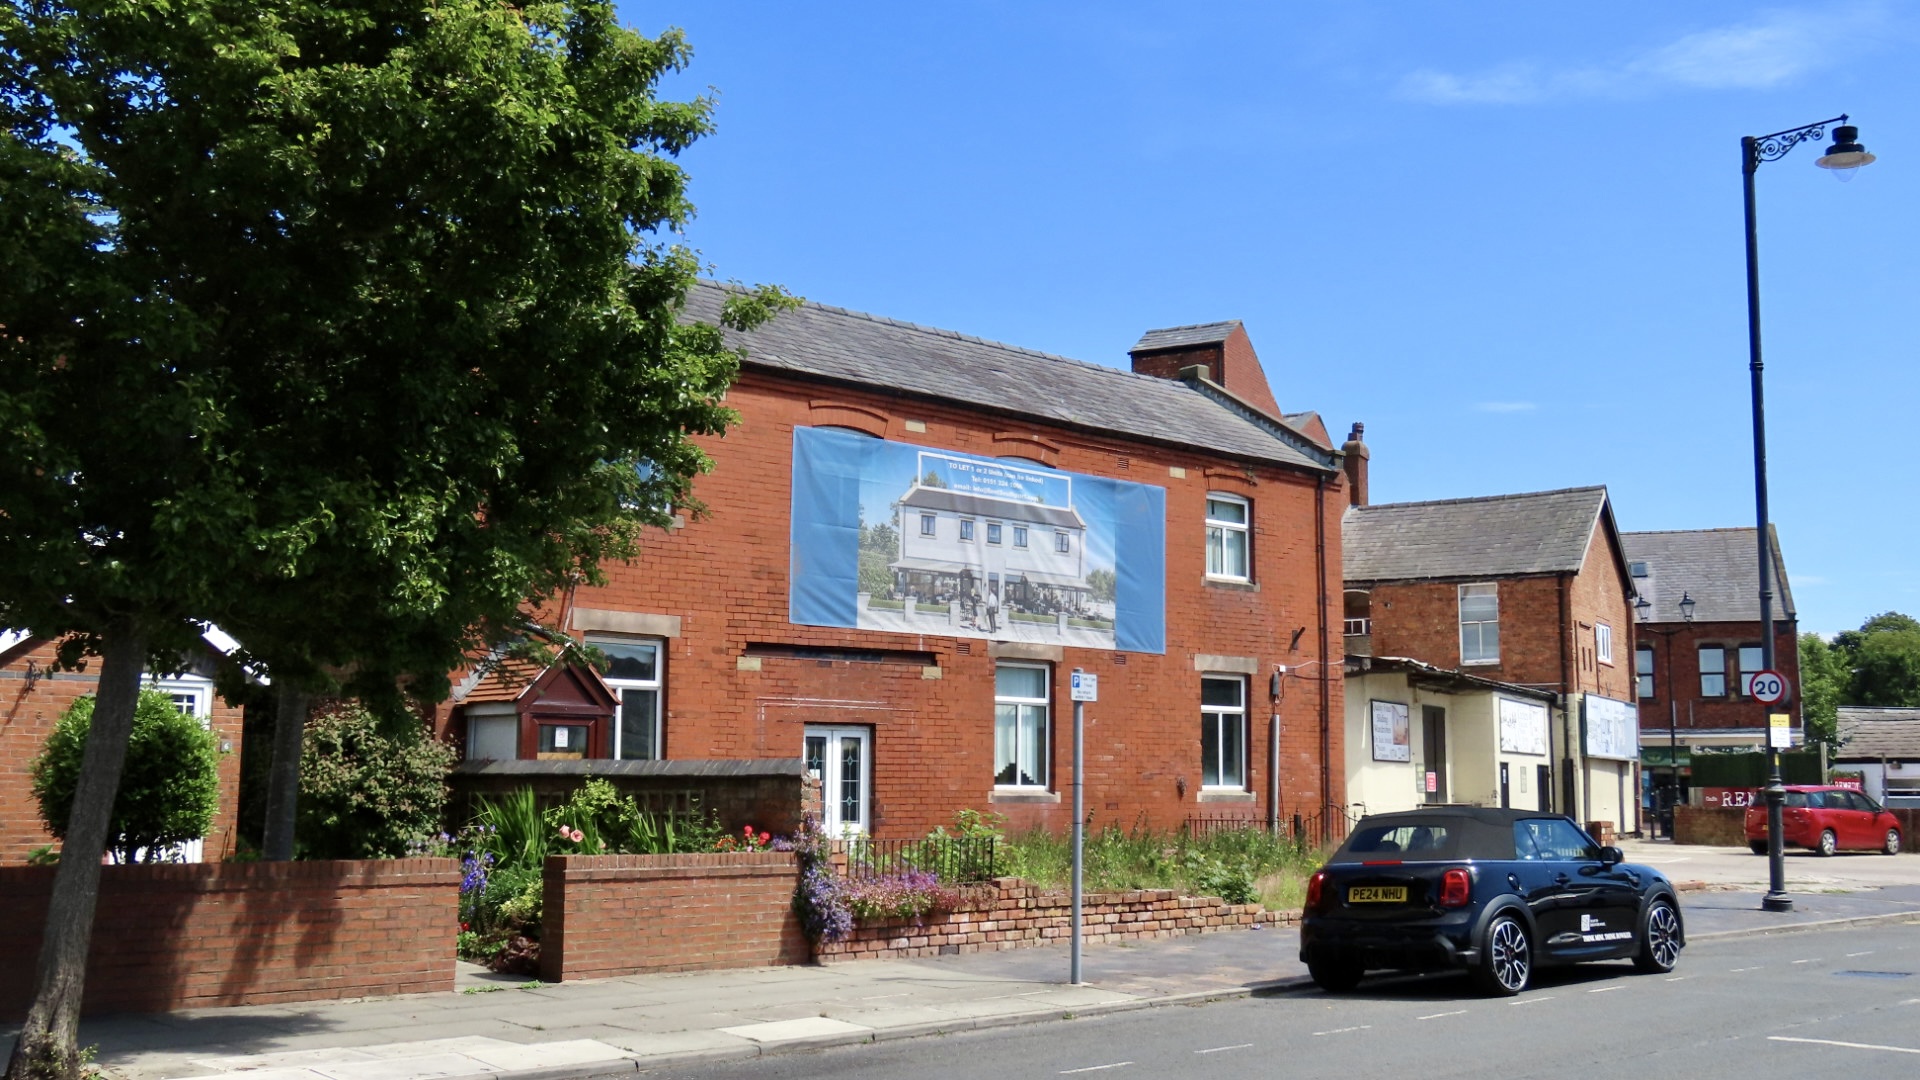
1417 840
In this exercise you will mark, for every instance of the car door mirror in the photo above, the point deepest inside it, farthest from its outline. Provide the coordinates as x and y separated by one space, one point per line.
1610 856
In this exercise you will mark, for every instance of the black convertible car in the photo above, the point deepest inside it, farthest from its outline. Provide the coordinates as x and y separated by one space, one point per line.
1494 892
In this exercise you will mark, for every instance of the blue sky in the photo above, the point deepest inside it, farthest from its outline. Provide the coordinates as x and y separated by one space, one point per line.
1507 237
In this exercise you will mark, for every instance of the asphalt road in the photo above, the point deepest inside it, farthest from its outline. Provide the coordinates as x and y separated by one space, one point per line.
1834 1003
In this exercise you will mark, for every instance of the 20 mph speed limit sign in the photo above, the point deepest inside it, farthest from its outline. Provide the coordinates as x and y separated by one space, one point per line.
1769 687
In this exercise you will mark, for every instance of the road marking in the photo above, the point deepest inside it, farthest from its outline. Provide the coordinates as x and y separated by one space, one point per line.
1676 978
1602 989
1529 1001
1806 961
1851 1045
1096 1068
1736 971
1343 1031
1436 1016
1217 1049
1851 955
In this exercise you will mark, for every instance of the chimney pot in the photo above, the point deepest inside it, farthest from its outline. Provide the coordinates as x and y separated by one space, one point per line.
1356 465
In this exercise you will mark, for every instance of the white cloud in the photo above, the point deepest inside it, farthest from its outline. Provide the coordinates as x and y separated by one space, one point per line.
1505 406
1775 48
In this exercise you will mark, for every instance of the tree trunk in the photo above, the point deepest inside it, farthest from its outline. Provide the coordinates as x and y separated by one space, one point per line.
290 707
49 1047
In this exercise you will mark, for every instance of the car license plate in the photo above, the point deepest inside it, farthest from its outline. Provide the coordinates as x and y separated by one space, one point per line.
1377 894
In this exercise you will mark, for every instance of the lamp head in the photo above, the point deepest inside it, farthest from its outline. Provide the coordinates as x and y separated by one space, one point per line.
1686 606
1846 154
1644 608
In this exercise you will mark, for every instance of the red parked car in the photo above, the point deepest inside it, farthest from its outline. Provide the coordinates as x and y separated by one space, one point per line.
1827 819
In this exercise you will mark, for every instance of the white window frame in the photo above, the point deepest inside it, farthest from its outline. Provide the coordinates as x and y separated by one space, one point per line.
1479 638
1746 673
1644 685
200 690
1717 673
1219 716
657 684
1219 529
1019 536
996 533
1044 706
1603 643
1063 542
929 524
966 530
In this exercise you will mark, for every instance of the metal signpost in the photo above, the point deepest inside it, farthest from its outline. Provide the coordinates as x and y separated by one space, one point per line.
1085 688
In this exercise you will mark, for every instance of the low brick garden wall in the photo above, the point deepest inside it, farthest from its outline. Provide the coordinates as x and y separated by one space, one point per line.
1012 914
193 935
607 915
1719 826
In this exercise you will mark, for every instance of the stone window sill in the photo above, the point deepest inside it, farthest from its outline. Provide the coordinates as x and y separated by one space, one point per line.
1226 795
1023 795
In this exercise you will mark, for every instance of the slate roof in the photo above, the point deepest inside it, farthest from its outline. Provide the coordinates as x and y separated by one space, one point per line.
1869 734
1181 337
867 350
1540 532
1717 567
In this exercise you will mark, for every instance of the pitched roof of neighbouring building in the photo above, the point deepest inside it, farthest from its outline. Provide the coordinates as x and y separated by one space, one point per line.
1718 568
1539 532
928 498
867 350
1181 337
1868 734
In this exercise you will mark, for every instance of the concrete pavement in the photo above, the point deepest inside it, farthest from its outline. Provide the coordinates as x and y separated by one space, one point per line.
499 1027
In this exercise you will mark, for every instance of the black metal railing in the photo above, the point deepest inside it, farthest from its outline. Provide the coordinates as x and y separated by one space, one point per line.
1306 830
955 860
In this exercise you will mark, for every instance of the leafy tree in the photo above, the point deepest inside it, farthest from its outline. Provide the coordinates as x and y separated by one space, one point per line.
343 324
168 793
1823 680
932 480
1886 669
1104 585
369 790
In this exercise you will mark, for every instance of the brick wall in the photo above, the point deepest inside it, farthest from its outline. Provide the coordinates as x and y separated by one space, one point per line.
187 936
610 915
1015 915
929 700
1718 826
27 718
1676 676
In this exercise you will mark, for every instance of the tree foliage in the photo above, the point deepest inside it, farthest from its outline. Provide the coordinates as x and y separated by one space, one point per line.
351 326
1823 681
1880 662
168 792
369 790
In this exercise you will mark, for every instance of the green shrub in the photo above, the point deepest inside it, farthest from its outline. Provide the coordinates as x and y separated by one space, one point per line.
168 791
1241 866
369 790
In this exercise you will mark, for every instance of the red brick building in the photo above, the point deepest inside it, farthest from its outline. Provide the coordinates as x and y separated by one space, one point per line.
1697 644
1528 590
32 697
915 683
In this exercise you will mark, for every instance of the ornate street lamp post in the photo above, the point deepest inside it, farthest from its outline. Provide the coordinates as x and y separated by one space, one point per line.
1845 155
1645 608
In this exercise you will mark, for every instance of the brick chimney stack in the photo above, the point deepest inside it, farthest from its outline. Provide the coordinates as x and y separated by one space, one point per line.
1356 466
1222 348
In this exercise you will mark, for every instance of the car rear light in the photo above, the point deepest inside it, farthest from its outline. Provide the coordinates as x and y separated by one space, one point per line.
1456 887
1316 885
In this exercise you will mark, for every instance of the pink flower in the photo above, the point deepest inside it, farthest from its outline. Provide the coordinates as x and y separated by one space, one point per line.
766 838
564 831
577 836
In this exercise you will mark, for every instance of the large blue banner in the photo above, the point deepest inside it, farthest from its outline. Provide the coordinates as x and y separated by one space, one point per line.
902 538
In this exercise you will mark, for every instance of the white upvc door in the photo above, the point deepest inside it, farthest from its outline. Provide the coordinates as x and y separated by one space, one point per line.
841 758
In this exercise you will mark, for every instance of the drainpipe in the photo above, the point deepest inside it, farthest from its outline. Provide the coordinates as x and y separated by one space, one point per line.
1326 676
1273 750
1568 782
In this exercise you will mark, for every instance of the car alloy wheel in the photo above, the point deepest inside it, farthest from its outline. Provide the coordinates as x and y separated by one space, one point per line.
1506 964
1893 842
1660 939
1829 843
